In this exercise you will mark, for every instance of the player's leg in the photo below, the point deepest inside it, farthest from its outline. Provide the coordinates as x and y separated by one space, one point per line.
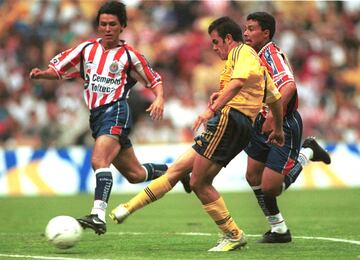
157 188
202 176
258 153
227 134
129 166
105 150
312 151
281 170
127 163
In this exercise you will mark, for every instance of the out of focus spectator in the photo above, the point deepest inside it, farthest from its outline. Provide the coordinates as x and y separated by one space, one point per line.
321 38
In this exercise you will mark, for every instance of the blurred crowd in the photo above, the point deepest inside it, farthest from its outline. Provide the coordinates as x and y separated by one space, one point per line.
321 40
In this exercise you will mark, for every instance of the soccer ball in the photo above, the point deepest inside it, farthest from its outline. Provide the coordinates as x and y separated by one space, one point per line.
63 232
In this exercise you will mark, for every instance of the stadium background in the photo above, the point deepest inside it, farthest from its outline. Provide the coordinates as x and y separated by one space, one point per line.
44 133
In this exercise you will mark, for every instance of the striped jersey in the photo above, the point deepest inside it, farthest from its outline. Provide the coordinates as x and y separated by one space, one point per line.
280 71
106 72
244 63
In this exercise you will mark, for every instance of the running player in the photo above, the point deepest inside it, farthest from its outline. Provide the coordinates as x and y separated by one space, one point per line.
272 169
109 68
243 83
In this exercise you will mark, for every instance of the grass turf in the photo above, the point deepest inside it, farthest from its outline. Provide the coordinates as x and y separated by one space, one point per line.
157 231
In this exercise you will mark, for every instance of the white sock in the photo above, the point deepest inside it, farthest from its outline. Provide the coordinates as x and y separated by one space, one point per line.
146 173
277 223
305 155
99 209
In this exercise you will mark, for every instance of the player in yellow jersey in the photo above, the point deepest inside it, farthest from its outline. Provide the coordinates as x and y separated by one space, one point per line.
243 84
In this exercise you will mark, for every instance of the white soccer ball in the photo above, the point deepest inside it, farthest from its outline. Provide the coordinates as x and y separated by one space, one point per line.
63 232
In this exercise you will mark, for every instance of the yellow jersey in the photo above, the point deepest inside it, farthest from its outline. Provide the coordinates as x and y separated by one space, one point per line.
244 63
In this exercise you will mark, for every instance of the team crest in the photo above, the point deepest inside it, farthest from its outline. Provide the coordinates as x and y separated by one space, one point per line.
114 67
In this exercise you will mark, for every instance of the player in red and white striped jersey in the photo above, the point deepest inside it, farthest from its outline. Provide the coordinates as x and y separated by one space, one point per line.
110 68
271 169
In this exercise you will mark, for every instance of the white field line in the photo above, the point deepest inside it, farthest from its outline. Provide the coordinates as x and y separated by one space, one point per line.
45 257
355 242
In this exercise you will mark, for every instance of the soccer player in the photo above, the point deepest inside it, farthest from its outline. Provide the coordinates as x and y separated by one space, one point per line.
243 83
272 169
110 68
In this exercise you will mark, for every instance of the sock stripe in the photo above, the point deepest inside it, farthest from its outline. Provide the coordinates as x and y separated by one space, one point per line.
223 221
150 194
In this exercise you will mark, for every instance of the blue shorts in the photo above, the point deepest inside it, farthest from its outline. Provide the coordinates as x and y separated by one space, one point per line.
279 159
112 119
226 135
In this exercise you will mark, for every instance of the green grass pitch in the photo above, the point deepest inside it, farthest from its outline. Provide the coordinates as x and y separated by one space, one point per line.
176 227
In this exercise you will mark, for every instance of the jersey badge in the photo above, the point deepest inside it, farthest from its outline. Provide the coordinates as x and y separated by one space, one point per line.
114 67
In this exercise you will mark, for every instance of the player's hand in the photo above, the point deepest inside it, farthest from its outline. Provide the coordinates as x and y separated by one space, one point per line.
156 109
268 125
35 73
276 137
202 120
213 97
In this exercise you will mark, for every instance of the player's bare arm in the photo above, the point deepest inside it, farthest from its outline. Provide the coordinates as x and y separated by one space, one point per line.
287 91
231 90
49 73
156 109
277 134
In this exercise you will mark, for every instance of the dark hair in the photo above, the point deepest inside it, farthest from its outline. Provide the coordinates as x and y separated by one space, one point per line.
265 20
116 8
224 26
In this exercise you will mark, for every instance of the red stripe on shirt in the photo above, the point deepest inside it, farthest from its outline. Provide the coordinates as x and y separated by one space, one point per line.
102 62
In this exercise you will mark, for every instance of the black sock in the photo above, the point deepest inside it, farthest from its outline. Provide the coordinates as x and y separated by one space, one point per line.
155 170
271 205
104 183
261 200
292 175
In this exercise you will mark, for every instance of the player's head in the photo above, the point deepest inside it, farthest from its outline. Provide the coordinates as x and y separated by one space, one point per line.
111 20
259 29
115 8
225 34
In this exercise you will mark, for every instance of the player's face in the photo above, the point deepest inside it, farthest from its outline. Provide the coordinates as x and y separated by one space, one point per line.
220 46
109 30
254 35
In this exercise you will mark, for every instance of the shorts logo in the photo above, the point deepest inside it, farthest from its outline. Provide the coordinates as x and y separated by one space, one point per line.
114 67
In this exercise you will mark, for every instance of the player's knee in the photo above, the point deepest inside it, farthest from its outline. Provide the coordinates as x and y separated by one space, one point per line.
98 162
135 178
270 190
194 184
253 179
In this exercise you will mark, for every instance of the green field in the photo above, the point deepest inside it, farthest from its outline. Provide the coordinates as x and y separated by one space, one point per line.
177 228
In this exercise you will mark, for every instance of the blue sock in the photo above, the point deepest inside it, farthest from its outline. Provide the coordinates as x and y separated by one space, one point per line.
104 183
155 170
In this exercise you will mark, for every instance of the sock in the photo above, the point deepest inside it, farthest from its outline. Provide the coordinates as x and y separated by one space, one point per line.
260 198
154 171
305 155
271 211
103 187
277 223
292 175
220 214
154 191
99 209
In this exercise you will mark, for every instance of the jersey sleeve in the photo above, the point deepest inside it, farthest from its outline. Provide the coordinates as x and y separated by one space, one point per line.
278 66
67 63
142 67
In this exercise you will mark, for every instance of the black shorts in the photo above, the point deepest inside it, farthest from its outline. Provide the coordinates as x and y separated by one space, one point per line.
279 159
227 134
112 119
